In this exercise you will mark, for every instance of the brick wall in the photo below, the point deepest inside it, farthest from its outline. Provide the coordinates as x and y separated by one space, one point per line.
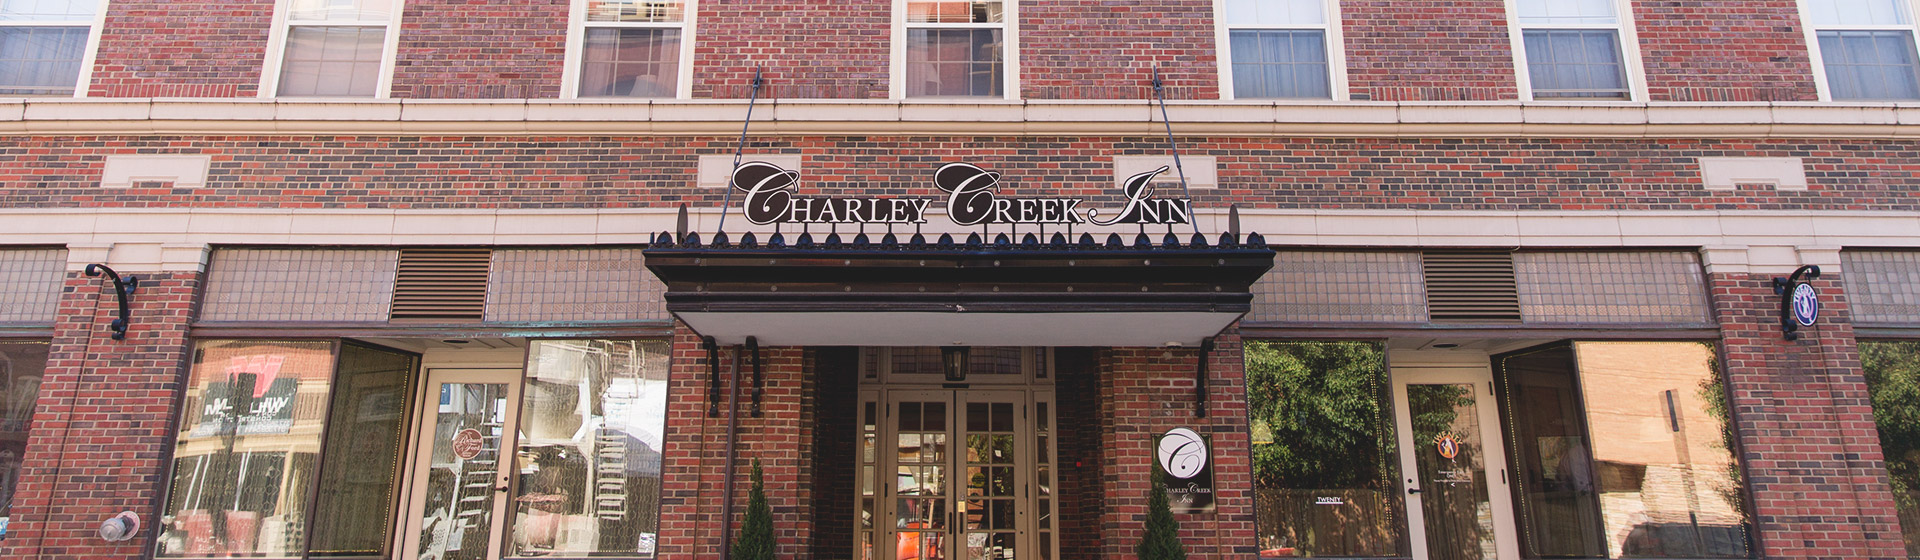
1724 50
1097 49
477 49
1809 444
582 172
167 48
829 50
1081 497
694 462
1147 391
833 394
101 426
1435 50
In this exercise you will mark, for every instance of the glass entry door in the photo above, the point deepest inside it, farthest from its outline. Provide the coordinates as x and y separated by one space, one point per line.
459 483
969 471
1458 505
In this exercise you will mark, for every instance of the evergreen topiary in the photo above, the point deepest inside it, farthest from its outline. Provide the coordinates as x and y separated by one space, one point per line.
1162 540
756 531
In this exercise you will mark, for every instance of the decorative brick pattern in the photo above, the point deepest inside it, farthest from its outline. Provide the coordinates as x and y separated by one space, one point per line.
1884 286
1806 430
1147 391
809 50
1428 50
101 434
602 172
169 48
1342 287
1724 50
1096 49
573 285
473 49
1612 287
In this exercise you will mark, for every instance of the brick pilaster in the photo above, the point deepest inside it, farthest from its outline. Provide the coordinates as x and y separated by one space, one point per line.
1810 447
101 425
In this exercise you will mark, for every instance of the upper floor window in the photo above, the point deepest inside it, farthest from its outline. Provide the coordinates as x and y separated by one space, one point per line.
1866 48
630 48
1574 49
1282 48
43 45
955 48
335 48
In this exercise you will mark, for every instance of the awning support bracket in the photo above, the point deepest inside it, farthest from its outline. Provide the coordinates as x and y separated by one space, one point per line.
713 375
739 148
1160 92
1200 379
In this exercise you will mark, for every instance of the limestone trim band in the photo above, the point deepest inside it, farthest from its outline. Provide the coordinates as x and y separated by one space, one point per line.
50 116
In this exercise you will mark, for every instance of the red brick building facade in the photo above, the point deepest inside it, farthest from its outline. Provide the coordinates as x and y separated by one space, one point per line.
1522 303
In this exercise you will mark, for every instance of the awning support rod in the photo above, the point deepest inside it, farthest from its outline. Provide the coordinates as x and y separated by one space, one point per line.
738 149
1159 91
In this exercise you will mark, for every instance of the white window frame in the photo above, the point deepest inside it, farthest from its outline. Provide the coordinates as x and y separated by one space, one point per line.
1336 49
1629 52
282 26
1812 31
1009 60
83 81
577 25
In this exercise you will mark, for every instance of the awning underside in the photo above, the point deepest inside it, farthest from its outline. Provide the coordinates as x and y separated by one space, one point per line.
971 293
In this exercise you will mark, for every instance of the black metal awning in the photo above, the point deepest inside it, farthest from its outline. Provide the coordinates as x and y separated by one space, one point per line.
919 292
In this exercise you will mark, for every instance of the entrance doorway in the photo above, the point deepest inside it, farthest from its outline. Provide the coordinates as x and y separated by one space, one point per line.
954 470
1457 498
460 484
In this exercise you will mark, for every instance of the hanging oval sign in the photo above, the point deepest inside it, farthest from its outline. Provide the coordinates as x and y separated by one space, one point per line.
1806 304
466 444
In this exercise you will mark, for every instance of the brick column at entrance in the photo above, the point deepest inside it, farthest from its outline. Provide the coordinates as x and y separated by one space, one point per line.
1811 450
694 462
101 425
1147 391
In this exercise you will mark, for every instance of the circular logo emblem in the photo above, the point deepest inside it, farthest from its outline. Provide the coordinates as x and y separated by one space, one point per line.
466 444
1447 446
1182 453
1806 304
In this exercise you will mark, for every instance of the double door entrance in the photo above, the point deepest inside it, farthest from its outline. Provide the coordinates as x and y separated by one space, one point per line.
957 474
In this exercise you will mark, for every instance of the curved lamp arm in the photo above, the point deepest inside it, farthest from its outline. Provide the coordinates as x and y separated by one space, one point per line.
1783 287
123 288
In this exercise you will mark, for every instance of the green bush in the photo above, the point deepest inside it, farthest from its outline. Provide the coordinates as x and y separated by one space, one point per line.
1162 540
756 532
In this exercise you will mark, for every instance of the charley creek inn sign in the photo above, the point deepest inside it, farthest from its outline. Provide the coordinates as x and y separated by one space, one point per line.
973 198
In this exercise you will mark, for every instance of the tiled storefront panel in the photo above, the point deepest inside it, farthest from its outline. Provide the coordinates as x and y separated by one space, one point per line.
349 285
1884 286
1341 287
30 284
573 285
1611 287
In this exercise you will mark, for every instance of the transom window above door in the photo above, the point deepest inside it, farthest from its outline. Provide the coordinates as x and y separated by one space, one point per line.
630 48
1865 48
946 48
1282 49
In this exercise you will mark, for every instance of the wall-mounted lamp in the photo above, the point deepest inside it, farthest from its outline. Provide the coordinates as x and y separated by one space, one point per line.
953 359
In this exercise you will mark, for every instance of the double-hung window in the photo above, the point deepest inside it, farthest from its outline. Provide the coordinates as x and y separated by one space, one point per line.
956 48
1866 48
335 48
1574 49
43 45
1282 48
631 48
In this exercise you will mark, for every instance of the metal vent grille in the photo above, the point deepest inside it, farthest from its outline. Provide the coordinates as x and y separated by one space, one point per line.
1471 287
441 285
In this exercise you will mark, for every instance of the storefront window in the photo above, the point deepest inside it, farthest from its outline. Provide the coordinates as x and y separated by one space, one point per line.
21 367
250 449
1893 381
1322 450
589 452
1622 450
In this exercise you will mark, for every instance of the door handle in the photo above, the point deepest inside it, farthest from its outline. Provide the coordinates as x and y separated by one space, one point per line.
1413 490
501 488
